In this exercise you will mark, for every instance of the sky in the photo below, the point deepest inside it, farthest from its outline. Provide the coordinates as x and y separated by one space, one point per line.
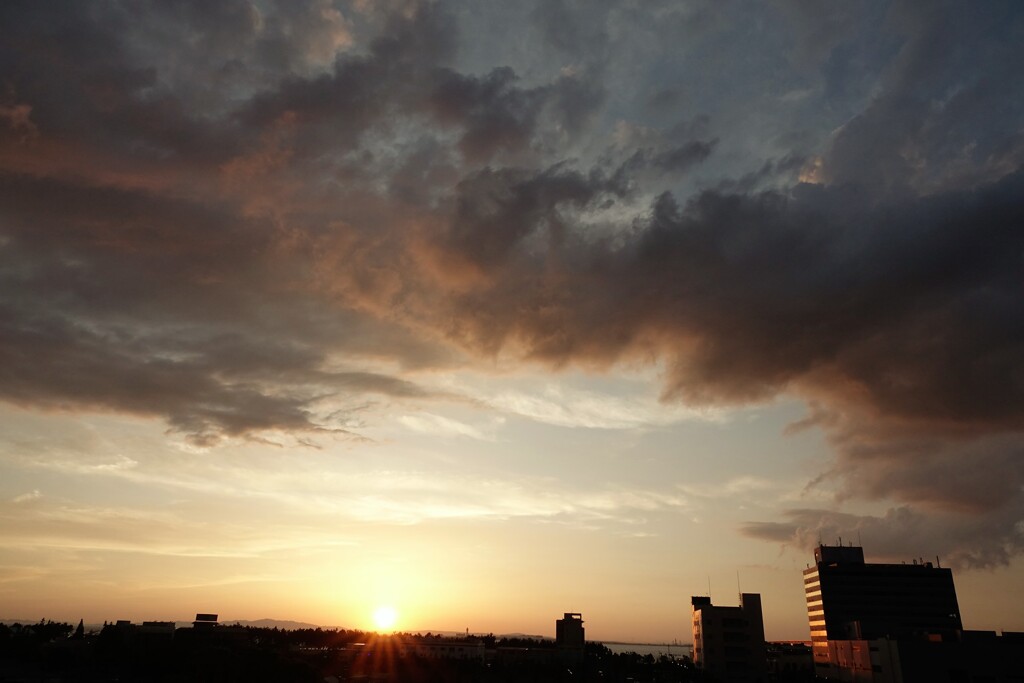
487 311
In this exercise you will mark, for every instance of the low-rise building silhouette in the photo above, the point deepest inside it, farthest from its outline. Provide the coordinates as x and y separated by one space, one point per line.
728 642
790 661
442 648
205 621
158 629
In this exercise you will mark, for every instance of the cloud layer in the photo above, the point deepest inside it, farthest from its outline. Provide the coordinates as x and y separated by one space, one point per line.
224 215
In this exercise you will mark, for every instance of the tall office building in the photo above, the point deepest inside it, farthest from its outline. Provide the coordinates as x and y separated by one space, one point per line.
849 599
728 642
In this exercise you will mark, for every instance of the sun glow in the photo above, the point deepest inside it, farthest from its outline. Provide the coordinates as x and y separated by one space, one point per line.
385 617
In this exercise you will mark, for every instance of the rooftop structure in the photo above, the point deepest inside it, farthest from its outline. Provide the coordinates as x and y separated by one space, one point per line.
205 621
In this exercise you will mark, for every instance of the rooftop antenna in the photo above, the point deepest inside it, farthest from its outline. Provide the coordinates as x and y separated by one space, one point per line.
709 585
859 542
738 590
937 563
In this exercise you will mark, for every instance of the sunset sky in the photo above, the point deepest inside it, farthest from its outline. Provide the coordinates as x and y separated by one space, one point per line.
486 311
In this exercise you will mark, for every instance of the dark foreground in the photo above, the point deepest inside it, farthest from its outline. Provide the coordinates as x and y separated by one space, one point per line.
54 653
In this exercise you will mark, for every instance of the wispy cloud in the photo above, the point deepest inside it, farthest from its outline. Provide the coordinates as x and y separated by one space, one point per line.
559 405
438 425
34 494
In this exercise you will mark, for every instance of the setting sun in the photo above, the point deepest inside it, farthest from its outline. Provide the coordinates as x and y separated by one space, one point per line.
384 618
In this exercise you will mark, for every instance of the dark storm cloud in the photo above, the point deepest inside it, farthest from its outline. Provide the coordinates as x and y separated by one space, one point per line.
167 252
578 30
215 212
121 300
403 78
961 487
496 210
905 534
917 301
74 64
950 110
496 114
903 316
53 364
671 160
